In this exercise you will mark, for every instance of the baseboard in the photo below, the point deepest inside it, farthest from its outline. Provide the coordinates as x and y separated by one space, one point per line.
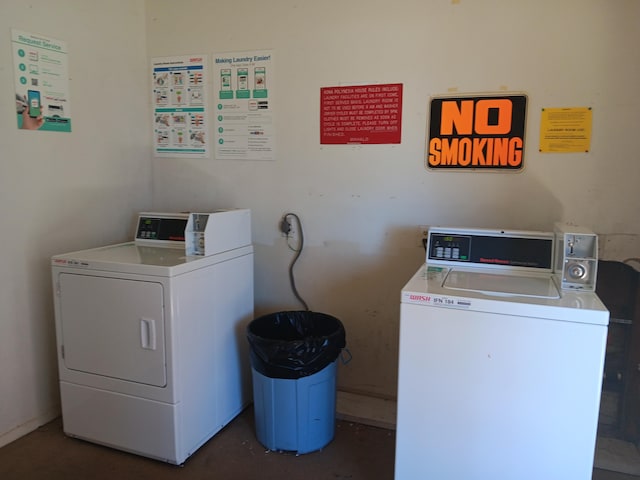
28 427
359 408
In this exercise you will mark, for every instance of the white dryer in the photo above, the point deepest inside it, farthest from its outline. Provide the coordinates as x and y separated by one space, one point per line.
500 371
151 349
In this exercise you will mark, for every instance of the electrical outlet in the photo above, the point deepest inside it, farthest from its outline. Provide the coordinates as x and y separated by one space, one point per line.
292 229
286 227
422 234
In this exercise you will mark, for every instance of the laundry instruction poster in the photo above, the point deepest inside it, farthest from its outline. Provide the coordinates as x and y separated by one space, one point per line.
179 91
244 89
41 66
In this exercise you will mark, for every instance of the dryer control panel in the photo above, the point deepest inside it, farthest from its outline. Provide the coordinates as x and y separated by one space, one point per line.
161 228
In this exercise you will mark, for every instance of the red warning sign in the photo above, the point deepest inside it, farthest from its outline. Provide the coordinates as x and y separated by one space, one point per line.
364 114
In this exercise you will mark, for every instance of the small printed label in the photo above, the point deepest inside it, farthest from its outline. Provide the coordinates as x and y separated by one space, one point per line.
71 263
438 300
447 302
435 269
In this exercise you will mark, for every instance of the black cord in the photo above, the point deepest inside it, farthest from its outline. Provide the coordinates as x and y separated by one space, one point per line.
298 251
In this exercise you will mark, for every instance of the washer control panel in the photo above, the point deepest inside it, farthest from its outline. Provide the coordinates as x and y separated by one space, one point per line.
491 248
450 247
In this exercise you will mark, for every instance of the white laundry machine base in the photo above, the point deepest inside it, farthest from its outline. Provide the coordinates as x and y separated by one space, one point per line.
496 396
152 356
136 425
499 370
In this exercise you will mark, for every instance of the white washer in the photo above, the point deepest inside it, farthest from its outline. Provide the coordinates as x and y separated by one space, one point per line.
500 371
151 349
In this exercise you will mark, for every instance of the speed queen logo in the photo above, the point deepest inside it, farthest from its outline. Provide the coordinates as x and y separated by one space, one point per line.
483 132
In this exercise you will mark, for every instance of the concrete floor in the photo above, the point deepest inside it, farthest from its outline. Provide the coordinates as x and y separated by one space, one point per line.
358 452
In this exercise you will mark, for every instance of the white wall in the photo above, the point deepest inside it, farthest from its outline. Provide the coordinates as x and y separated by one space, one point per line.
65 191
360 205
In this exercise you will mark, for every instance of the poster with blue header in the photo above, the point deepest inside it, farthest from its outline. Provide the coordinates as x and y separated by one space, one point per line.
244 86
41 66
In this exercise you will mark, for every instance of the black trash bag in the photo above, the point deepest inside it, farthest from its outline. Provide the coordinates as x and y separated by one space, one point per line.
294 344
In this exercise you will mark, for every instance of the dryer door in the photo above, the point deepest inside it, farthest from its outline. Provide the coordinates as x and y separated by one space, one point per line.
113 327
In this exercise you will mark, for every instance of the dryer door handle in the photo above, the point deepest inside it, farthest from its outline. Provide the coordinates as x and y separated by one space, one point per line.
148 333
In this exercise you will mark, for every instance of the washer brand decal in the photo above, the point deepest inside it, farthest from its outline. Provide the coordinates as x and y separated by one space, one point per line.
420 298
439 301
72 263
477 132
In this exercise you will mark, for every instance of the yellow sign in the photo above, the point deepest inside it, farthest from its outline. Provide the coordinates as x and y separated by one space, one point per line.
565 130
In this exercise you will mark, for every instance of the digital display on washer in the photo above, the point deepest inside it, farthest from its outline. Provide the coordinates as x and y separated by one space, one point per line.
450 247
154 228
492 250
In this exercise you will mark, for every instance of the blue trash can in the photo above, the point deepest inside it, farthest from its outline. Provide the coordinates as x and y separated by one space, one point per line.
294 362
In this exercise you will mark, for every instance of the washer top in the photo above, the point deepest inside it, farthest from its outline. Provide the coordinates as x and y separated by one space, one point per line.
159 246
429 287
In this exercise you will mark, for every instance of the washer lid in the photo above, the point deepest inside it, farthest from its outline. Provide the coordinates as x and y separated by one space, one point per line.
490 282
